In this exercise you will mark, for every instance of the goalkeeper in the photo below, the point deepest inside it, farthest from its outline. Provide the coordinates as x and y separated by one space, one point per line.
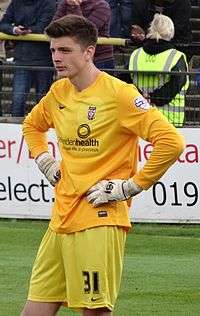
98 119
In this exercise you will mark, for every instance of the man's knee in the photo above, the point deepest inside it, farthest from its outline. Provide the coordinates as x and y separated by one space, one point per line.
97 312
40 309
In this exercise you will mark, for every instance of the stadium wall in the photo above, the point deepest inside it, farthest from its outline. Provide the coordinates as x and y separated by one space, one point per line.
25 193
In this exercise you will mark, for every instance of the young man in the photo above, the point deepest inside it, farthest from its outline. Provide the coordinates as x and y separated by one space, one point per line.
97 119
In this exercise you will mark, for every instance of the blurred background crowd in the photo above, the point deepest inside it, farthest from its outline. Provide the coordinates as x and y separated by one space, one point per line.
128 19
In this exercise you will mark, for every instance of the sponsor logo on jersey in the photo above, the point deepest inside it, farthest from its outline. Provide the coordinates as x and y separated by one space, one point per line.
91 142
83 131
141 103
91 112
82 142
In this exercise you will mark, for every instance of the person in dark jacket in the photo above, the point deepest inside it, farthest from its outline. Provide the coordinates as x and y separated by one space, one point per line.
121 18
99 13
25 17
178 10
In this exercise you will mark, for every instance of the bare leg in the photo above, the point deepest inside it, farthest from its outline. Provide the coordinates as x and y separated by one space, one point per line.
32 308
97 312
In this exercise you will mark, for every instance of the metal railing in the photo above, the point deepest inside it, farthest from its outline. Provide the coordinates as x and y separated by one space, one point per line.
191 95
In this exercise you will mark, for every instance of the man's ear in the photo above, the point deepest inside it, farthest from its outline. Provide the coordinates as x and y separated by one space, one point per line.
90 51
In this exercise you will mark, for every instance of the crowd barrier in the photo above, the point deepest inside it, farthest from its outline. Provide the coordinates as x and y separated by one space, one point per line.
44 38
191 96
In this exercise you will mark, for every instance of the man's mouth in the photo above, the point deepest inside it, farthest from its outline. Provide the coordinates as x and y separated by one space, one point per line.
60 68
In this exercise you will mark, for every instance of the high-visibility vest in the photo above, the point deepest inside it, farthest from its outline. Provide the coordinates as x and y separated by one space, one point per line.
164 61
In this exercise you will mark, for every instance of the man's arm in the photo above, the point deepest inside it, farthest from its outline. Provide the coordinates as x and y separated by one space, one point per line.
68 7
138 12
6 23
45 15
137 117
169 90
181 14
100 14
34 127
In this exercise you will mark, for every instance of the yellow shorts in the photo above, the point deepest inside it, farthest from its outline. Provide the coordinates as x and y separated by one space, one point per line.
81 270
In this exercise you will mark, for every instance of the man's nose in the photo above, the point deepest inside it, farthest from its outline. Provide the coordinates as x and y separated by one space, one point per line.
56 56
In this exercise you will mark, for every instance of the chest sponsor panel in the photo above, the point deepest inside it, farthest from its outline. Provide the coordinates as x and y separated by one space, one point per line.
87 127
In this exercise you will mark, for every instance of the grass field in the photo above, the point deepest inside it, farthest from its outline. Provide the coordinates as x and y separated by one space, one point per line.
161 274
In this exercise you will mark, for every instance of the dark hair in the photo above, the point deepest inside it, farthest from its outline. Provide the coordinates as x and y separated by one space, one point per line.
82 29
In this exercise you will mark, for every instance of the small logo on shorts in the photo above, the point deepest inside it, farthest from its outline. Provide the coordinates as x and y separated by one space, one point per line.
94 299
102 213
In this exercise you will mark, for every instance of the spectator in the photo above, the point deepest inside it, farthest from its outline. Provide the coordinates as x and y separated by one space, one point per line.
198 78
121 18
100 14
4 4
158 54
2 44
23 17
1 85
178 10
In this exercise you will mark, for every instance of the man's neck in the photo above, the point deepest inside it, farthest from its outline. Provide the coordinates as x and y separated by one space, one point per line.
85 78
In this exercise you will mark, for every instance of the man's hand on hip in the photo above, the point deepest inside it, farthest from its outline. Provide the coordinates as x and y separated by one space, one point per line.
112 190
49 167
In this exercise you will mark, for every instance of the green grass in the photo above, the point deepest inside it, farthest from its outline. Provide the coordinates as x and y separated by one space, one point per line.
161 272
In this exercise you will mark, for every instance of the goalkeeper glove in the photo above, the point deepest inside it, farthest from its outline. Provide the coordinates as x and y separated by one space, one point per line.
49 167
112 190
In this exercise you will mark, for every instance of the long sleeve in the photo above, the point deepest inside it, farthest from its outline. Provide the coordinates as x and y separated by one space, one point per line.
36 124
64 9
172 87
138 118
45 14
6 23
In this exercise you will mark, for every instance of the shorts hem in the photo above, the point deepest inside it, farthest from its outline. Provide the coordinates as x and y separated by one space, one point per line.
101 305
49 300
65 303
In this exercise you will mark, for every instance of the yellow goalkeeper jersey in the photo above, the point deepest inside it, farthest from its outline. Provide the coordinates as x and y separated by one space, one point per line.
97 131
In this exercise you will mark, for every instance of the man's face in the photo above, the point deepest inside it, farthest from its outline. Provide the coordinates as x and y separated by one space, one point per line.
69 57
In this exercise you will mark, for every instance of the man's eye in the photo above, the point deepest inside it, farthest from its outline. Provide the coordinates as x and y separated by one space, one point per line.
65 50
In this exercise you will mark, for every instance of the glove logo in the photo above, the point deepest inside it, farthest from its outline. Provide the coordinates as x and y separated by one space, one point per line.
109 187
83 131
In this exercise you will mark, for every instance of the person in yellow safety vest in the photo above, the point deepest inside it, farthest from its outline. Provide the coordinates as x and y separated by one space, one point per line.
151 67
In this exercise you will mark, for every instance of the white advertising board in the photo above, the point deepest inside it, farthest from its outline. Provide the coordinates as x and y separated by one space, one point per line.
25 193
175 198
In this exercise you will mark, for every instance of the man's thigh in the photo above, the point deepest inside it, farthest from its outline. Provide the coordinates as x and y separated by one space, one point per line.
82 270
47 282
93 266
